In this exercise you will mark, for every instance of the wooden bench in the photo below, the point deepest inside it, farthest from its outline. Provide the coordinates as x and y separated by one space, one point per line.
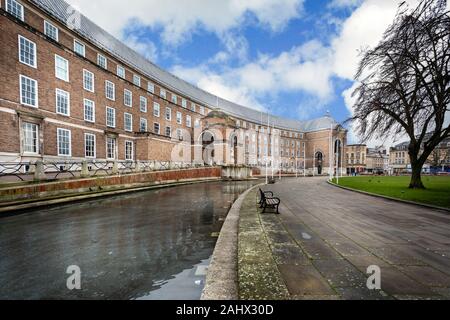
267 200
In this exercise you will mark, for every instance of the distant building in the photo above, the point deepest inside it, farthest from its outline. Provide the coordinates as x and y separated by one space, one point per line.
377 160
438 161
356 156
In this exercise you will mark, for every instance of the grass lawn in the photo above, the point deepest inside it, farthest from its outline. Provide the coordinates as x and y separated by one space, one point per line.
437 192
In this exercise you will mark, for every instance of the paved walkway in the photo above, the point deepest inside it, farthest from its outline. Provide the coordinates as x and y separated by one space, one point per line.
325 238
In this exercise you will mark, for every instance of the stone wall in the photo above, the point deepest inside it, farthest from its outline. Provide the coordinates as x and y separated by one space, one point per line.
98 184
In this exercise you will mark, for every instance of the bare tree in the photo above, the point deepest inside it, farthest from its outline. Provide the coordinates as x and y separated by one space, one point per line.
404 82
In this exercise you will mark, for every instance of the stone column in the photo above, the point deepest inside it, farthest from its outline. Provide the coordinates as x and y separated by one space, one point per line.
39 171
84 169
115 169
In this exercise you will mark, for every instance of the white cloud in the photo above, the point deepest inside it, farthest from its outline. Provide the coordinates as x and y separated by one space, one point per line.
146 48
344 3
179 19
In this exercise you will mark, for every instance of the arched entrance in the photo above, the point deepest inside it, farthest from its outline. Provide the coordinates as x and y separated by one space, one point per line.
319 162
207 139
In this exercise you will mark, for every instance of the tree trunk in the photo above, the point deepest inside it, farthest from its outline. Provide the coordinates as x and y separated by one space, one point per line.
416 178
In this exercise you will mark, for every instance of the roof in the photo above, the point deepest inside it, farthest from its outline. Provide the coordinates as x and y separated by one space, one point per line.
104 40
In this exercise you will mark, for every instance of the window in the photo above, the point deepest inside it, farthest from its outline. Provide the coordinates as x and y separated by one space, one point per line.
15 8
184 103
143 125
156 109
89 110
174 99
197 123
127 98
128 122
179 134
143 104
128 150
88 81
79 48
110 117
64 142
121 71
102 61
151 87
28 92
193 107
179 118
89 145
168 114
188 121
168 131
110 90
162 93
156 128
50 31
61 68
202 110
30 142
62 102
27 52
137 80
110 148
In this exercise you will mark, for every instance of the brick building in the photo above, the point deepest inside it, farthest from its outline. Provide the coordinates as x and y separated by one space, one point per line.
72 91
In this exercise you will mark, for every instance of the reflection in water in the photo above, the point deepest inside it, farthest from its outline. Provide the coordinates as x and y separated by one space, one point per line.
139 245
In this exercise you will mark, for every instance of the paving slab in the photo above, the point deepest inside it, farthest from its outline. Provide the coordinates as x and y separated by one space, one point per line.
325 238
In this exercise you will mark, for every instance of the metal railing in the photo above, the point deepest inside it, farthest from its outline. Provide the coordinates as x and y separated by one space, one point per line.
54 170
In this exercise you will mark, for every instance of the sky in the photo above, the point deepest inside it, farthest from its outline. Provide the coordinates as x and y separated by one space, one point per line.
292 58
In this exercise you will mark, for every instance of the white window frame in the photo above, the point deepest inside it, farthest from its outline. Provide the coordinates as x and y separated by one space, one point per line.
87 72
22 11
115 148
95 146
143 120
21 95
159 128
82 45
122 72
114 117
36 126
188 121
163 93
58 141
179 117
99 57
56 68
129 142
113 86
156 109
136 80
125 115
57 91
51 25
184 103
165 133
174 97
93 110
143 104
34 65
168 113
125 92
151 87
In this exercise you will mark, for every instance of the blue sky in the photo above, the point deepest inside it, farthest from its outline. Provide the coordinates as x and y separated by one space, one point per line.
294 58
